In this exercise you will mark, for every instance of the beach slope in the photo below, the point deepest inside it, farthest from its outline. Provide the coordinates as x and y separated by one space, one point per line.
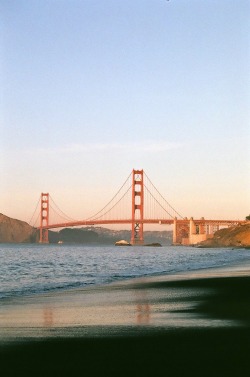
190 324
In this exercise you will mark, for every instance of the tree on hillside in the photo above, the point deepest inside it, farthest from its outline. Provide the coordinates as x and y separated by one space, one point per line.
248 217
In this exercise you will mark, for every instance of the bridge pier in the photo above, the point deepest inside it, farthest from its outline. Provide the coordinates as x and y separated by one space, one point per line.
199 232
175 231
190 232
180 232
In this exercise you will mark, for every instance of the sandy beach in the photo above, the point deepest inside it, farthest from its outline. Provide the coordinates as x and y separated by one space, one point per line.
195 323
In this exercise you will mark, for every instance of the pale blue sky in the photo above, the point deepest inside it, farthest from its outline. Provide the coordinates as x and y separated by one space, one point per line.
94 88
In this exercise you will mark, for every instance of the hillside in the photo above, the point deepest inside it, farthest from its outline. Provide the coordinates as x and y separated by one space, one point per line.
236 236
106 236
14 231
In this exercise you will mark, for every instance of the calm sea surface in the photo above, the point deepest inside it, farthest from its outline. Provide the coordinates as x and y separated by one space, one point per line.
33 269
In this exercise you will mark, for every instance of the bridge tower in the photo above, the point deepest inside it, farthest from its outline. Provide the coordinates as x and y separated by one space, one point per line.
137 207
44 218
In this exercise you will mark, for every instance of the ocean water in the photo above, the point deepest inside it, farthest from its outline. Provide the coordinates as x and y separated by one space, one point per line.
27 269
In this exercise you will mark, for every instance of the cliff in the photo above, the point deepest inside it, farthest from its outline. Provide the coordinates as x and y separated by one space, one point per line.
236 236
14 231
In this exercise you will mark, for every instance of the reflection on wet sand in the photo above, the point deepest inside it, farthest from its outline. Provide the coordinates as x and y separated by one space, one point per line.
181 325
108 307
143 314
151 303
48 317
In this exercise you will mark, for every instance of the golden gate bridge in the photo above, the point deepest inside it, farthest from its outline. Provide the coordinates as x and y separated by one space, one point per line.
137 202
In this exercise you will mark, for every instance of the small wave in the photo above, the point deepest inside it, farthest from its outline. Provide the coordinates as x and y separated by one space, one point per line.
29 273
31 291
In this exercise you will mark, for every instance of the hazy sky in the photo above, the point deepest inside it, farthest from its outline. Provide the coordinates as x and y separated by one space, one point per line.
91 89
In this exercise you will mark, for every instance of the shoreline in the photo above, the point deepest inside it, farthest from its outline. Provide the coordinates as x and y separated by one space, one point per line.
182 324
233 267
87 295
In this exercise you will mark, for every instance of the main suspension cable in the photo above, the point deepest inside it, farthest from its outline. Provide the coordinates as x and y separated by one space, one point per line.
96 218
96 214
162 196
158 202
34 212
63 214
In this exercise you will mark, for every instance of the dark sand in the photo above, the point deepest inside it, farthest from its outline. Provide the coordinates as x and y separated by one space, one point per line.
193 324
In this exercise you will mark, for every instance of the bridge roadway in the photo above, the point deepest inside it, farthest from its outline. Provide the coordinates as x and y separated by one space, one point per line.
139 221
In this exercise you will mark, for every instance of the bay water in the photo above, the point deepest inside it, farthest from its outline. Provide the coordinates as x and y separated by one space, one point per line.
30 269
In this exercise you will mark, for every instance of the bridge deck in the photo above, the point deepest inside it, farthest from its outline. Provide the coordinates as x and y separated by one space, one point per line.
144 221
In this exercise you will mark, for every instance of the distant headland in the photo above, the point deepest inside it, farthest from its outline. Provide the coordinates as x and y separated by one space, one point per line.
17 231
235 236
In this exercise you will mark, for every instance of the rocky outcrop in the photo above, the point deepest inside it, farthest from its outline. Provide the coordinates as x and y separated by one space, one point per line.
14 231
236 236
122 243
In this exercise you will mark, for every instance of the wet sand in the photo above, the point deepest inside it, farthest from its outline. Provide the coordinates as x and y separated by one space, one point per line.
189 324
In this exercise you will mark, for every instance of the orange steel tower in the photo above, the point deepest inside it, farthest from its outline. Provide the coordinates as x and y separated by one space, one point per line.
137 207
44 218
